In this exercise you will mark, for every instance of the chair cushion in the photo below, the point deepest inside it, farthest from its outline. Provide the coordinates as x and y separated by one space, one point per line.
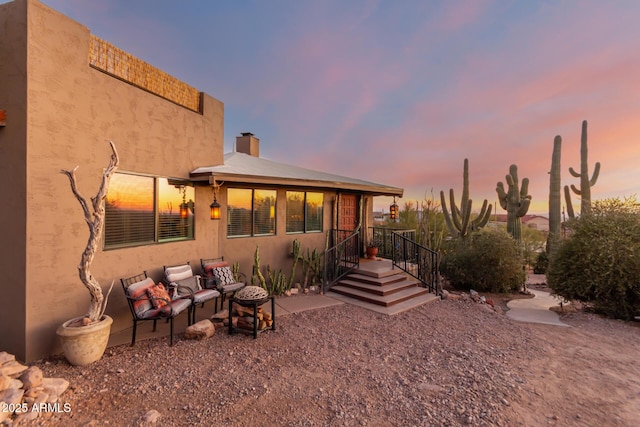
170 310
208 268
231 287
137 290
173 274
192 283
205 295
159 295
223 275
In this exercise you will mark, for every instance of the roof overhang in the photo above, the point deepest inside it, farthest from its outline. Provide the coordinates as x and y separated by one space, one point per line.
240 168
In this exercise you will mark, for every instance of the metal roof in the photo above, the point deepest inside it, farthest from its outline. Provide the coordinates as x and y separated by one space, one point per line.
244 168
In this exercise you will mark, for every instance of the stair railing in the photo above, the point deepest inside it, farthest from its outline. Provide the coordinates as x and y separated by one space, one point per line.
417 261
341 258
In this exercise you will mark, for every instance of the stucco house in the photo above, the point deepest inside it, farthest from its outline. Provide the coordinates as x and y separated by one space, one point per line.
63 94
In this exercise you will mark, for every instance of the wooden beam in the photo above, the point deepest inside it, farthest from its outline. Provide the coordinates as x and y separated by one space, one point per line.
3 118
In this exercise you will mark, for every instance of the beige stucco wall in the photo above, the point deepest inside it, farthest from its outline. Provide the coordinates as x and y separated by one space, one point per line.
13 92
72 110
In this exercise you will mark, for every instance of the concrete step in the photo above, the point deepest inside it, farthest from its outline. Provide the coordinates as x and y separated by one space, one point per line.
382 300
391 310
379 281
381 289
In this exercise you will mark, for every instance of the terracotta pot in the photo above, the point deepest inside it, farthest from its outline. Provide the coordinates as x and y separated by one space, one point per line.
83 345
372 252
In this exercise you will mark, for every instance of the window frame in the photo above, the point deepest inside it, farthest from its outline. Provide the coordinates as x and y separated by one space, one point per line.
305 212
253 226
156 200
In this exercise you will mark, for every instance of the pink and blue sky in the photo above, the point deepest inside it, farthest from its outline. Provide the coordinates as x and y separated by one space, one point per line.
400 93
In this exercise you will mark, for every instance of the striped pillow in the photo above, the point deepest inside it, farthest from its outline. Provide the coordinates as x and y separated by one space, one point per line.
173 274
137 290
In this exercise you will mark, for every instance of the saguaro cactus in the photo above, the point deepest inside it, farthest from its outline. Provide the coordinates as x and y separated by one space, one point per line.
585 183
458 221
515 201
554 194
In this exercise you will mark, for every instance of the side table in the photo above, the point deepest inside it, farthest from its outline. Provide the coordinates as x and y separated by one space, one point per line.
255 304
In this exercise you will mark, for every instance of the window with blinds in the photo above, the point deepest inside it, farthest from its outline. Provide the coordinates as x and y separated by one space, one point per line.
304 212
142 210
251 212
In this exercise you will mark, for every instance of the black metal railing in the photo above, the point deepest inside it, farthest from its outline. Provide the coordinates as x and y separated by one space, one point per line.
341 258
384 237
417 261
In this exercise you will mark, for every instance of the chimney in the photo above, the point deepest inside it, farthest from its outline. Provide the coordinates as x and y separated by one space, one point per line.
248 144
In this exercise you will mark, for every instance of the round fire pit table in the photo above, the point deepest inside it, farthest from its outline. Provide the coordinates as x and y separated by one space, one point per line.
255 304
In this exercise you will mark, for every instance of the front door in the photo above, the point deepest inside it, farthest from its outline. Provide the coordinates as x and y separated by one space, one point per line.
348 213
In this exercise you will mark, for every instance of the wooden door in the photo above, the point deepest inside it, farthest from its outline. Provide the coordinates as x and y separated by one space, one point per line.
348 212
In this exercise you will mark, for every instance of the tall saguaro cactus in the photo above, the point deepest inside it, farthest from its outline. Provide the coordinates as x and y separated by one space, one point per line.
459 220
554 195
585 182
515 201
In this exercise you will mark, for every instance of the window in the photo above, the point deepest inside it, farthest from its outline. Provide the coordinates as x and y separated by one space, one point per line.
304 212
251 212
142 210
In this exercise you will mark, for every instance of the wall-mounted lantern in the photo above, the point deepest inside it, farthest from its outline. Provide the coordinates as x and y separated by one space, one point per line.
215 206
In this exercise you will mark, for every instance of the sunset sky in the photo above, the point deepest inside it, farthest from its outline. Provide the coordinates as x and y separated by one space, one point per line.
400 93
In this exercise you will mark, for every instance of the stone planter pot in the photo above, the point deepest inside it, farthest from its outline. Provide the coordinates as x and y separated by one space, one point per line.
83 345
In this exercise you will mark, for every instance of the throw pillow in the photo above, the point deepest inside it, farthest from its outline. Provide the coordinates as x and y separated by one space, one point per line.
159 296
192 283
208 268
178 273
138 290
223 275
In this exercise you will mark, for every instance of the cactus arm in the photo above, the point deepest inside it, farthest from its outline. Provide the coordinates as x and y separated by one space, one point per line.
455 217
573 172
524 189
575 190
484 216
455 211
594 178
524 206
465 218
567 197
447 216
502 195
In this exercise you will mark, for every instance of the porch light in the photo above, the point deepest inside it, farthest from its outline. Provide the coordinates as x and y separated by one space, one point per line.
393 210
184 210
215 206
215 209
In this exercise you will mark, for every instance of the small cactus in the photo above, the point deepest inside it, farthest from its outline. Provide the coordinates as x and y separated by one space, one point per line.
515 201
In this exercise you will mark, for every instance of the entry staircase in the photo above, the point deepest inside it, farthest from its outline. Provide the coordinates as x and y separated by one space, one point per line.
405 277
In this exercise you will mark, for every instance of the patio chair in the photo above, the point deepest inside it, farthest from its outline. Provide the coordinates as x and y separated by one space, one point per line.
182 282
218 275
150 301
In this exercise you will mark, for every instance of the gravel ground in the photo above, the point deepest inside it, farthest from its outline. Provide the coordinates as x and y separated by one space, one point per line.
447 363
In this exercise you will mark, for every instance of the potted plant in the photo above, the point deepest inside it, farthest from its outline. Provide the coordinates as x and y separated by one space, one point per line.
373 246
84 339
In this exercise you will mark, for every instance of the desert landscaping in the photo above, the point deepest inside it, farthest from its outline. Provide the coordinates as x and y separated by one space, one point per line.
449 362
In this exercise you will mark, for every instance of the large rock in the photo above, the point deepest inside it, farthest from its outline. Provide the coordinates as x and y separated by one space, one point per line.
32 377
12 368
5 381
220 316
55 386
202 329
6 357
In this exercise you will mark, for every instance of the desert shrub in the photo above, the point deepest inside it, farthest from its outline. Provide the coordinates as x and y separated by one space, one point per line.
600 260
486 261
542 263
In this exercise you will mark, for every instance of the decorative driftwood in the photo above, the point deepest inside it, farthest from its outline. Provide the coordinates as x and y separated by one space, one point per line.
95 222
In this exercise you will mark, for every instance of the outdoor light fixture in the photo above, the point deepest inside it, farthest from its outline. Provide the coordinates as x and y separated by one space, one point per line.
184 210
393 210
215 206
184 207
